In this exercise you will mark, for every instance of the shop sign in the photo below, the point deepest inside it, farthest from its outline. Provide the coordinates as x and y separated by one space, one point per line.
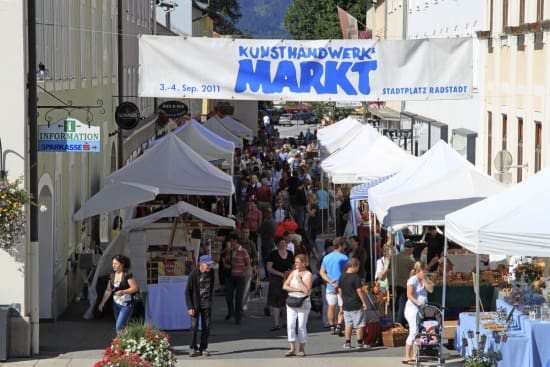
174 109
69 135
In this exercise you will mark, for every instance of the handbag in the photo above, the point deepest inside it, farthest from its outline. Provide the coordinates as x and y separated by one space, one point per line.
295 302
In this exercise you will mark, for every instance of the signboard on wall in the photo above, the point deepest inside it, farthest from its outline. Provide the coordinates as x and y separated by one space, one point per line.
292 70
69 135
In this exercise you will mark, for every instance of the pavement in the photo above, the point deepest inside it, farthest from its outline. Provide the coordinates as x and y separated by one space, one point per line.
72 341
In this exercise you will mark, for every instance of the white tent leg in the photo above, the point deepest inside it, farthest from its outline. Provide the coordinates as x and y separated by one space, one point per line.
444 294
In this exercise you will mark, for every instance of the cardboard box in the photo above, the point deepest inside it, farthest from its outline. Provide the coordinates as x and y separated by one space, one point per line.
449 329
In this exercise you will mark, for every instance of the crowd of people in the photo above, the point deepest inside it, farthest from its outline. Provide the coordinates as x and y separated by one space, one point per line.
282 204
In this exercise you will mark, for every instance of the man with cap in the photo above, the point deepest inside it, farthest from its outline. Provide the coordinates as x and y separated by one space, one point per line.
198 297
403 266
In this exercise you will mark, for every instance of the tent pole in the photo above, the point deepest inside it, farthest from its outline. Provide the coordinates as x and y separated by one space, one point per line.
444 294
327 211
334 206
477 300
392 282
232 178
370 244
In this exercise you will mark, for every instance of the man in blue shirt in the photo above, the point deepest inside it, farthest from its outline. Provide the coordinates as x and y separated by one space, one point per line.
332 268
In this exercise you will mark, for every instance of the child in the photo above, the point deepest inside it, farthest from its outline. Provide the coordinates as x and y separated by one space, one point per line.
354 304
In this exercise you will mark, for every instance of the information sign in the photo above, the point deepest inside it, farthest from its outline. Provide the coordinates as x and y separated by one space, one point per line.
69 135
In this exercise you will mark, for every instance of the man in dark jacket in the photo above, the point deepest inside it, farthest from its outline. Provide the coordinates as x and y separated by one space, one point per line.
198 297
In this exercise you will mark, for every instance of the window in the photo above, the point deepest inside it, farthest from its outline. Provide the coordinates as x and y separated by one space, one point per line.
540 10
520 149
504 131
538 146
504 15
83 40
491 15
489 142
521 11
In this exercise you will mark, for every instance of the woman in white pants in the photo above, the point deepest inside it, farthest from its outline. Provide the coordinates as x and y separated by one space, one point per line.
298 285
418 287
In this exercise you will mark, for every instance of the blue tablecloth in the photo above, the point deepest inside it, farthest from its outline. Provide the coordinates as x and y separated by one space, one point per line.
538 333
515 351
166 308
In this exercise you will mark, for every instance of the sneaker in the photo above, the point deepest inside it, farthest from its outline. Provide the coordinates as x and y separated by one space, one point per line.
340 332
347 346
194 353
361 346
332 330
205 353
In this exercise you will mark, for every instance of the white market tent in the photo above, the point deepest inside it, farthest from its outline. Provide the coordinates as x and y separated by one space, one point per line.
237 128
210 146
224 143
175 168
438 183
215 125
365 137
511 222
333 137
177 210
170 167
120 242
116 196
361 161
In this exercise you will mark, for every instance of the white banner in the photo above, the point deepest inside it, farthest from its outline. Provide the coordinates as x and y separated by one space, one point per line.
320 70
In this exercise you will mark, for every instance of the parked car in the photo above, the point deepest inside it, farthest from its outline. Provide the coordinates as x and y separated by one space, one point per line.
312 118
285 119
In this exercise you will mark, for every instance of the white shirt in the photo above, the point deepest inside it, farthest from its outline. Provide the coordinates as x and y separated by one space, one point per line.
267 120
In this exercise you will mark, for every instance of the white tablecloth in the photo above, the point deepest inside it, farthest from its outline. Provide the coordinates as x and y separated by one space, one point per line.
166 308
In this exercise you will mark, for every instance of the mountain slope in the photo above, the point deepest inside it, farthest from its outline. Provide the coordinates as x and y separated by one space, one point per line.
264 19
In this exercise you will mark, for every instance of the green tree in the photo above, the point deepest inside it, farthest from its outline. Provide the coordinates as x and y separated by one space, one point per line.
309 20
226 14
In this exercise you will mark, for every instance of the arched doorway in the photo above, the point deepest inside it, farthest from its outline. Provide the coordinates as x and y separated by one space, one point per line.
45 252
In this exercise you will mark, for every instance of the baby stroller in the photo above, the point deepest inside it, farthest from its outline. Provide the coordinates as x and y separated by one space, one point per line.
428 340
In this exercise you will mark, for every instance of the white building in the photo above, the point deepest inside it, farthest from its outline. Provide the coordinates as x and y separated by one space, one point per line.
509 108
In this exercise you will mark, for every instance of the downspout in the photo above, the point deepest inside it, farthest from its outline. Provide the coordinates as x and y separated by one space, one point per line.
120 81
31 254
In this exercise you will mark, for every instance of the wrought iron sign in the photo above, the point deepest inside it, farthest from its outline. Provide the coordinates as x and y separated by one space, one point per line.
69 107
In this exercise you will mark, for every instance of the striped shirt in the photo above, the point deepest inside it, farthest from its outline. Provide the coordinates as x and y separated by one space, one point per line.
240 261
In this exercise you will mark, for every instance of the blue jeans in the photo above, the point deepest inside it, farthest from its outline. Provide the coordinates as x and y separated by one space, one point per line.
122 315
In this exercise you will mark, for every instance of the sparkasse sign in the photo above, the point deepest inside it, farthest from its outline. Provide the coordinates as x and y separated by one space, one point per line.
69 135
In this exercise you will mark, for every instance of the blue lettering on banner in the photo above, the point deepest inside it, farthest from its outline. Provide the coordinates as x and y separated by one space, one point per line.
311 76
450 89
321 69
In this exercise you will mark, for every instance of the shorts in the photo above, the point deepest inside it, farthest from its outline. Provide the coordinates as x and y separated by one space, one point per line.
334 298
355 318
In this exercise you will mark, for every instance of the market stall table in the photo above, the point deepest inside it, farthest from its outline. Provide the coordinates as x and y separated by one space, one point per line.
166 308
537 332
515 350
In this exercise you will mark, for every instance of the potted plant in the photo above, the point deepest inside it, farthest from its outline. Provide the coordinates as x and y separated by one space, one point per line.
482 360
13 199
139 345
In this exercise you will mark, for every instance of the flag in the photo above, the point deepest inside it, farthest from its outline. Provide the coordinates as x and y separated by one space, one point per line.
348 23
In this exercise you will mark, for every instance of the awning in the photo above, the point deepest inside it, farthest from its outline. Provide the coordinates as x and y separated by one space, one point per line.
385 113
177 210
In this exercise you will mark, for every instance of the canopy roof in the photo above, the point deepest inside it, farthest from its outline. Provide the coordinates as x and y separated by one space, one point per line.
337 135
116 196
237 128
175 168
210 146
177 210
511 222
368 156
440 182
215 125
